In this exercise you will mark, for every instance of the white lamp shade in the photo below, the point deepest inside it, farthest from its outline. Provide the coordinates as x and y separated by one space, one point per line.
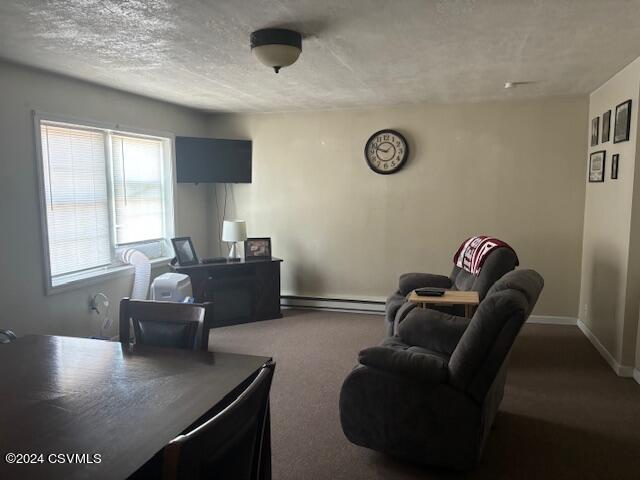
234 231
276 55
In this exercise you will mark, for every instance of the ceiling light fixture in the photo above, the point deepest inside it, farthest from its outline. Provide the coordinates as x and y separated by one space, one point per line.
276 47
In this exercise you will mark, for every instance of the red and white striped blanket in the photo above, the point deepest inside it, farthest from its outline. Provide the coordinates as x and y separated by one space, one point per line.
474 251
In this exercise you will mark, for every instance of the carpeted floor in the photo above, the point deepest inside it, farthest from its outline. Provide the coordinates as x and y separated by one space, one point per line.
565 414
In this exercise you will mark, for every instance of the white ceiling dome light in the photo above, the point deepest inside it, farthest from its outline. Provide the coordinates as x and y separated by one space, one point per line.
276 47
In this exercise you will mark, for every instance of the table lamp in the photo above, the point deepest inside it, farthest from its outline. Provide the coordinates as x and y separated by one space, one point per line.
234 231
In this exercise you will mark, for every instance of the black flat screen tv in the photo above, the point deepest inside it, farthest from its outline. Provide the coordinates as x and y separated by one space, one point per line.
212 160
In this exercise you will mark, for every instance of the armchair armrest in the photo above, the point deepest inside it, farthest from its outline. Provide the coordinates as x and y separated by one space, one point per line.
416 365
410 281
433 330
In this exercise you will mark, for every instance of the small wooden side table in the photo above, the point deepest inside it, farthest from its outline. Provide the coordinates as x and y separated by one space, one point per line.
470 300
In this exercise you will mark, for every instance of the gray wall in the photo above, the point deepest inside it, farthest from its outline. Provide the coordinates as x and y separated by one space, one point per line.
514 169
25 308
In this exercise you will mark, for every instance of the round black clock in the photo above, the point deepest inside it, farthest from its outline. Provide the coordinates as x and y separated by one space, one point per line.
386 151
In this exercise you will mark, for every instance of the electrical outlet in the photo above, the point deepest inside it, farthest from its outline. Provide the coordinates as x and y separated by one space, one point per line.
585 310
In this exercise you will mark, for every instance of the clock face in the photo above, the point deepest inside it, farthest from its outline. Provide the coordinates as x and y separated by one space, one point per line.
386 151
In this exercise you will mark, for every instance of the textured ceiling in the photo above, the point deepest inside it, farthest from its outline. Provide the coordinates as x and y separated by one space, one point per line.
355 52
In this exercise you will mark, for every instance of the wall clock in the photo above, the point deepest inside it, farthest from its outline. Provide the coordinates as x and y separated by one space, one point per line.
386 151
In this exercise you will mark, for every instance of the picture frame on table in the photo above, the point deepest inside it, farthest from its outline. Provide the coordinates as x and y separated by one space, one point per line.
257 247
184 251
606 126
595 126
623 122
615 159
596 166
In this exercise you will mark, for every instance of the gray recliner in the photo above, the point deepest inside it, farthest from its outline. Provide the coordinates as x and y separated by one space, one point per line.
498 262
430 393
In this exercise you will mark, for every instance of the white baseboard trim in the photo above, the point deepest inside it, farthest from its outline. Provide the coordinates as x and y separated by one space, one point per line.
621 370
552 320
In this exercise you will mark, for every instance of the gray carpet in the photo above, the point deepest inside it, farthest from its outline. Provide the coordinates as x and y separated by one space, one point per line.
565 413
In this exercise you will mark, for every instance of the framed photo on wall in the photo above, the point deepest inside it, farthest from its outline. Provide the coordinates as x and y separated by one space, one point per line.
257 248
615 158
185 253
623 122
596 166
595 124
606 126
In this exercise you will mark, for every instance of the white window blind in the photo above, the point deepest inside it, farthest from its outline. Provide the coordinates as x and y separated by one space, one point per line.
77 210
102 191
138 189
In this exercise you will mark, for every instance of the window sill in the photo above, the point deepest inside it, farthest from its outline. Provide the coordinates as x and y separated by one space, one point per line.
92 278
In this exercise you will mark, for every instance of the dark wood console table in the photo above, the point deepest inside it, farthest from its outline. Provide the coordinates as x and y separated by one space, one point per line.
241 292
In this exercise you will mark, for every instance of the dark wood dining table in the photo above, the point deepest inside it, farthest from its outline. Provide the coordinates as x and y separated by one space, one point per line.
77 408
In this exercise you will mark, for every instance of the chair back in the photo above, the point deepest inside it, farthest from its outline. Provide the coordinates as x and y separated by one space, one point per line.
485 344
233 445
499 262
165 324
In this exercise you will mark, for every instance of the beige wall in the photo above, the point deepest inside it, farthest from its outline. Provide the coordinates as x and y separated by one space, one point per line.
610 281
342 230
510 169
25 308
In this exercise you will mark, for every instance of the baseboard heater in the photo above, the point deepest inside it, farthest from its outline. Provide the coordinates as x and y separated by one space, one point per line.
377 307
332 304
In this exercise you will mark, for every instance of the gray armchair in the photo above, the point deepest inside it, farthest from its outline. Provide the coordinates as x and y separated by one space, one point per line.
430 393
498 262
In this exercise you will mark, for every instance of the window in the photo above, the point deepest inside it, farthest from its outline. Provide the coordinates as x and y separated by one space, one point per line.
102 190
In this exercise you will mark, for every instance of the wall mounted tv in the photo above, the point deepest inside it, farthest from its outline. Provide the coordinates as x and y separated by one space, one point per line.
212 160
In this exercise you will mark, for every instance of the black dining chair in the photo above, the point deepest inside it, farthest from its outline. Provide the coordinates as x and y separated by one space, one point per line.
7 336
166 324
233 445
